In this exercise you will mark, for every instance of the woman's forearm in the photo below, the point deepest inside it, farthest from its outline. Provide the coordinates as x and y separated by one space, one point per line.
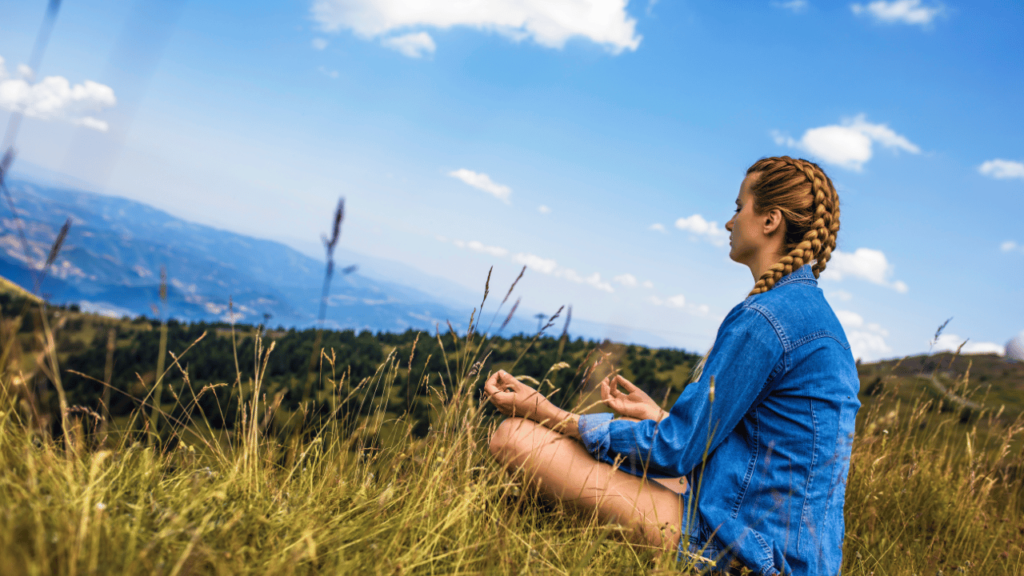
559 420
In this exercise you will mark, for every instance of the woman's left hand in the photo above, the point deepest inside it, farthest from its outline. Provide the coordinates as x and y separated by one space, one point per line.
513 398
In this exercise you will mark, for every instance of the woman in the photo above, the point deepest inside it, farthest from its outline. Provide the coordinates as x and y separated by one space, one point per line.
762 438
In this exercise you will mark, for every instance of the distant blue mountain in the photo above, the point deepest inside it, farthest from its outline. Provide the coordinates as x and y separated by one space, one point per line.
111 262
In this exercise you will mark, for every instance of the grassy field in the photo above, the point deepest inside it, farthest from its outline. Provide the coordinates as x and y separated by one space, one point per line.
935 482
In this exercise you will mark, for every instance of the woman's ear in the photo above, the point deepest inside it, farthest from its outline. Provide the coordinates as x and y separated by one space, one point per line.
773 222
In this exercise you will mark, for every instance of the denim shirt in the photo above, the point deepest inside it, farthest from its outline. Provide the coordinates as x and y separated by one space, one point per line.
777 430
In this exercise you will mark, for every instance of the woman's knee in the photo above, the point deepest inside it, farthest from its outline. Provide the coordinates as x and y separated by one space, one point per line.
507 437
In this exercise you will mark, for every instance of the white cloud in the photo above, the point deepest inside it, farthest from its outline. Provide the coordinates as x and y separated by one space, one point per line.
596 281
677 301
899 12
319 43
54 98
592 280
482 181
866 264
477 246
849 319
850 144
698 226
1002 169
840 295
328 73
413 45
626 280
865 345
648 284
25 72
90 122
950 342
795 6
867 339
543 209
534 262
1011 246
657 227
549 266
546 22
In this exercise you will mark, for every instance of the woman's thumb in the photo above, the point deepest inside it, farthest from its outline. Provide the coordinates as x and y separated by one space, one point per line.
625 383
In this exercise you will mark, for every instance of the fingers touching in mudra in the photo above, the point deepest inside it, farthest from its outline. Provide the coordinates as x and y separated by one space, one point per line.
513 398
627 400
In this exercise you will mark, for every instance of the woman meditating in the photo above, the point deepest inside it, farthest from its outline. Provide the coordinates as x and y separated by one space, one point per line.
750 464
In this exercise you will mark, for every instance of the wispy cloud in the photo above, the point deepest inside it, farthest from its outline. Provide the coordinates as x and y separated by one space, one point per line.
839 295
657 227
1002 169
328 73
483 182
54 98
413 45
477 246
537 263
952 342
849 144
627 280
1011 246
679 302
795 6
866 264
543 209
594 279
551 267
711 231
899 12
549 24
867 339
319 43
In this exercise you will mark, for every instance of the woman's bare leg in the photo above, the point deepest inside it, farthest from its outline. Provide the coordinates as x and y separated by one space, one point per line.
561 468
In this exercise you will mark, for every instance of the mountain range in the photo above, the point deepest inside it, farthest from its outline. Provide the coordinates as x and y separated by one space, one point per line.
115 250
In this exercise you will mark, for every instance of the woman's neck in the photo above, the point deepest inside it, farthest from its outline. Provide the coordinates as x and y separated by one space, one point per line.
762 262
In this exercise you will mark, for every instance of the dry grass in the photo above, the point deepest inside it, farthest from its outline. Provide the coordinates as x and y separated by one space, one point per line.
345 500
363 495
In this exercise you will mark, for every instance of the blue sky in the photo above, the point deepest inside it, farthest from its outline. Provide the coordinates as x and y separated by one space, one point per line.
449 125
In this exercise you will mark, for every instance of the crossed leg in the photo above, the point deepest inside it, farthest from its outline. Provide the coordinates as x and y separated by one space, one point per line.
560 468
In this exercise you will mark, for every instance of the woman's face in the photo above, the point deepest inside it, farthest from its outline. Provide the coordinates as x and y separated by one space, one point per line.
746 228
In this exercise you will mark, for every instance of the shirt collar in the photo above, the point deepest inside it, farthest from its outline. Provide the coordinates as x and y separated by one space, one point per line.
804 274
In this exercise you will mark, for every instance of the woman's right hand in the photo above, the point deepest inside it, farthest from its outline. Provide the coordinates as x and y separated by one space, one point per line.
633 403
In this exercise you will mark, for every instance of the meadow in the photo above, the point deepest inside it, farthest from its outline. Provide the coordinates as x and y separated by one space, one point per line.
385 469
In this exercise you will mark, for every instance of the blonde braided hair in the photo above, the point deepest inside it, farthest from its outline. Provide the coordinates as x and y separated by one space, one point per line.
810 206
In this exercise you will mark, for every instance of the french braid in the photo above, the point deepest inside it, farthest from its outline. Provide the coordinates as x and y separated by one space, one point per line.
810 207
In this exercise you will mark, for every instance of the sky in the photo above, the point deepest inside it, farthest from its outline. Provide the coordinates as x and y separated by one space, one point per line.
601 143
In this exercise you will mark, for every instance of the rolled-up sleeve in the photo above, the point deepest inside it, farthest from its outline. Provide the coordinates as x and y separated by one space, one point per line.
745 357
